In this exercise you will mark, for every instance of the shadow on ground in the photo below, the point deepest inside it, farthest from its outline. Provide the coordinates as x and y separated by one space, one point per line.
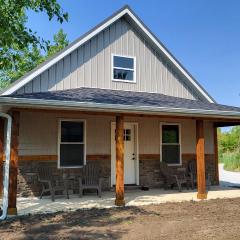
81 224
214 219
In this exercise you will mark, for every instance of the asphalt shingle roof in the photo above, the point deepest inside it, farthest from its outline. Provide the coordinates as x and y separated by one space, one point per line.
106 96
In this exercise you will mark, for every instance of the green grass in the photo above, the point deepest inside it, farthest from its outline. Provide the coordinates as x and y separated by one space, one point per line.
231 161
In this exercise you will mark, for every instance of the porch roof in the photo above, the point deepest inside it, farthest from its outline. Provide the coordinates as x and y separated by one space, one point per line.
121 101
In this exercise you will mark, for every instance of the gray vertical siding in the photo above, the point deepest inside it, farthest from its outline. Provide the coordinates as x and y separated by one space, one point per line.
90 66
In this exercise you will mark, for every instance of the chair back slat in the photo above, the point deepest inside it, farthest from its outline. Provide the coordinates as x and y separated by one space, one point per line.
44 173
90 174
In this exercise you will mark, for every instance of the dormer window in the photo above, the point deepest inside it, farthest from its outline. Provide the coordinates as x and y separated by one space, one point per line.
124 69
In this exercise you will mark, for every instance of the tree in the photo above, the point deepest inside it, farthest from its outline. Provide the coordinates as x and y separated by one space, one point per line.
29 58
229 141
15 37
60 41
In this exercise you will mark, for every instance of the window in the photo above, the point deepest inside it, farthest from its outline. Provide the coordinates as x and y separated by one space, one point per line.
123 69
126 135
72 146
170 144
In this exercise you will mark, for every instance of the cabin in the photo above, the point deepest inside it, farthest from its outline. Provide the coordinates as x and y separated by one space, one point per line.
115 97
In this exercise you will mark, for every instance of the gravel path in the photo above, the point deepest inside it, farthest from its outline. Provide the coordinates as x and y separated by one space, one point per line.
228 178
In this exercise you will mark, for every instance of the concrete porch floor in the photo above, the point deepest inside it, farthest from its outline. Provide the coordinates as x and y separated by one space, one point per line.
133 198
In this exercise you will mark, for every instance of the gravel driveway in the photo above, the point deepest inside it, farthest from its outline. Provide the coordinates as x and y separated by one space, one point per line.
228 178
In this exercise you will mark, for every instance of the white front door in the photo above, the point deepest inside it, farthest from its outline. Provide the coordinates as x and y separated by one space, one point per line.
130 154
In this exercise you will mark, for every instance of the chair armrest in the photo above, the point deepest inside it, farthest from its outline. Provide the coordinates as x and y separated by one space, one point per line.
181 169
48 182
181 177
182 172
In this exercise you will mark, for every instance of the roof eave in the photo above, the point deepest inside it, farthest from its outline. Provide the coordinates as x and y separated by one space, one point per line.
40 103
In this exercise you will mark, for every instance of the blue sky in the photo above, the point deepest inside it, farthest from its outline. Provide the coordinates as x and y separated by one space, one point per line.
203 35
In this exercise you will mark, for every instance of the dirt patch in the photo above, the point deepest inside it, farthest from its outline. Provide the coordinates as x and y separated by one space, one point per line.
214 219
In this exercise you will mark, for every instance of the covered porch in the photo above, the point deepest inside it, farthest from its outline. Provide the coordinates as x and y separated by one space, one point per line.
147 163
128 140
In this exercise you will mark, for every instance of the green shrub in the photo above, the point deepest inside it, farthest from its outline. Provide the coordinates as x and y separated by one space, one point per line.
220 157
231 161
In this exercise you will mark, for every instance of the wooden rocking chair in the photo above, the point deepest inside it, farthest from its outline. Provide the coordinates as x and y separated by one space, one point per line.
49 184
90 179
173 177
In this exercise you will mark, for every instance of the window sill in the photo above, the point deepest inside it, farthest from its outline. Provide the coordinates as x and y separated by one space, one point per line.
124 81
174 164
59 167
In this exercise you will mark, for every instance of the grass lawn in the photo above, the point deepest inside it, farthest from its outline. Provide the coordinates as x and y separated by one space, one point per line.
231 161
214 219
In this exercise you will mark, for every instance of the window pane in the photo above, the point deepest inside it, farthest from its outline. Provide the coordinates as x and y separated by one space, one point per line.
123 74
123 62
127 134
71 155
171 154
72 131
170 134
127 138
128 131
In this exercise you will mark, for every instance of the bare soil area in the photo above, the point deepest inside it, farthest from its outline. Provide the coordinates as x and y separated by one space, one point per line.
214 219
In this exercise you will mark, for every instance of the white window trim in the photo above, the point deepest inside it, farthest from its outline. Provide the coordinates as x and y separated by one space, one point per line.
129 69
84 141
180 142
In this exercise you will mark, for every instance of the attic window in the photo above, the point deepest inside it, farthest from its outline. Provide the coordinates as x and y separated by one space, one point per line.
124 69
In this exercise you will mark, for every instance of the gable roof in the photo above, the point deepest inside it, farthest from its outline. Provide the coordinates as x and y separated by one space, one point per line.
125 11
119 100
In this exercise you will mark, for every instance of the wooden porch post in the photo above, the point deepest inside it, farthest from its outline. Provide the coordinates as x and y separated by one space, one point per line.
1 154
119 201
12 195
201 181
216 155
